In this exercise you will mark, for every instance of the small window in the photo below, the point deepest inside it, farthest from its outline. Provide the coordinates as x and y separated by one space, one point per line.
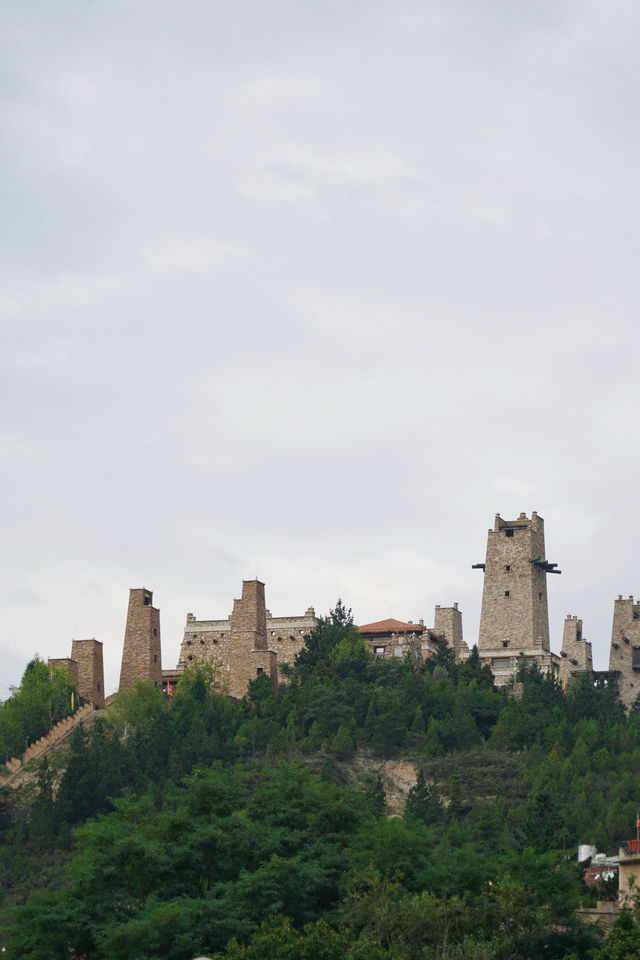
507 592
155 632
202 643
378 650
540 595
147 600
508 533
98 687
508 566
505 643
189 657
188 643
155 658
259 671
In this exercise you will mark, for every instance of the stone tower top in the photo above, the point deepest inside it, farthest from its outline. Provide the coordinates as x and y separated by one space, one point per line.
514 598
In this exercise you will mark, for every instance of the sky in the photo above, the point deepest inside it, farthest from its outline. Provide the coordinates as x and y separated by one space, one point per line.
309 292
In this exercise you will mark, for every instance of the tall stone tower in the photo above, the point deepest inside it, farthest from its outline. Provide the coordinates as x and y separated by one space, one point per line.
575 656
141 655
249 654
624 653
514 622
88 656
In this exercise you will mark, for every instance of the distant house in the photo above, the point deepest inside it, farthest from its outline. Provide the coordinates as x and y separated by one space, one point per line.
397 638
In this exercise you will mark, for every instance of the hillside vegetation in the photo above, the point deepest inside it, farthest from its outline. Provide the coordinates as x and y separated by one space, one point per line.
197 825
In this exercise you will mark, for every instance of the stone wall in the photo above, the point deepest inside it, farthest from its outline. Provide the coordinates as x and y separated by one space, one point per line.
88 656
212 642
575 656
447 622
286 634
141 654
624 654
56 736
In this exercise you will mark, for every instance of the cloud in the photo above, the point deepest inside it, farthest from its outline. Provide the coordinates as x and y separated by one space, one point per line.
318 288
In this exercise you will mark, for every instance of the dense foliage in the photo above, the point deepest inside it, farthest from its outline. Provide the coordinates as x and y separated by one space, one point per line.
43 698
204 825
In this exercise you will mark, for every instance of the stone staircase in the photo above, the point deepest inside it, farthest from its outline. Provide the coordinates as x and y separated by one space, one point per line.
55 738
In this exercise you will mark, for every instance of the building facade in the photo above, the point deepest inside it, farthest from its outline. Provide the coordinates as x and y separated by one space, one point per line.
514 621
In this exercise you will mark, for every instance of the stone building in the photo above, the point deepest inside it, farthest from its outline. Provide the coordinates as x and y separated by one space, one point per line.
624 653
447 623
251 641
398 638
226 645
576 655
394 638
86 668
514 621
141 654
628 871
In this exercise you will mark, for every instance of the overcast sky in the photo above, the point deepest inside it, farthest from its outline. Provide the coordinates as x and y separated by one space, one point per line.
309 291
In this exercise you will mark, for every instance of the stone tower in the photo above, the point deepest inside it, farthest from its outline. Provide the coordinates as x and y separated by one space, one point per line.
249 654
624 654
141 655
447 622
575 656
514 621
88 655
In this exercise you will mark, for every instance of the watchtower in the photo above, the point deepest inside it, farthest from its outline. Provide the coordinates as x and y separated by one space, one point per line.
141 654
447 622
514 621
249 654
624 653
576 655
88 656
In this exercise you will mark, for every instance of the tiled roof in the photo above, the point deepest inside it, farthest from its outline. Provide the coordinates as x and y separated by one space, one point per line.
391 626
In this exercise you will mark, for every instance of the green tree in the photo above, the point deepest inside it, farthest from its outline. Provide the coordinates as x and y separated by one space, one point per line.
423 802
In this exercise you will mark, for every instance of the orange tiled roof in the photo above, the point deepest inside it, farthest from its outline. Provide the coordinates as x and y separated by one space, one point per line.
391 626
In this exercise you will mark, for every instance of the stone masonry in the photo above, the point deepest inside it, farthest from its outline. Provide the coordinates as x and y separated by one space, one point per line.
448 624
514 621
624 654
386 639
213 642
88 655
141 654
249 653
575 656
